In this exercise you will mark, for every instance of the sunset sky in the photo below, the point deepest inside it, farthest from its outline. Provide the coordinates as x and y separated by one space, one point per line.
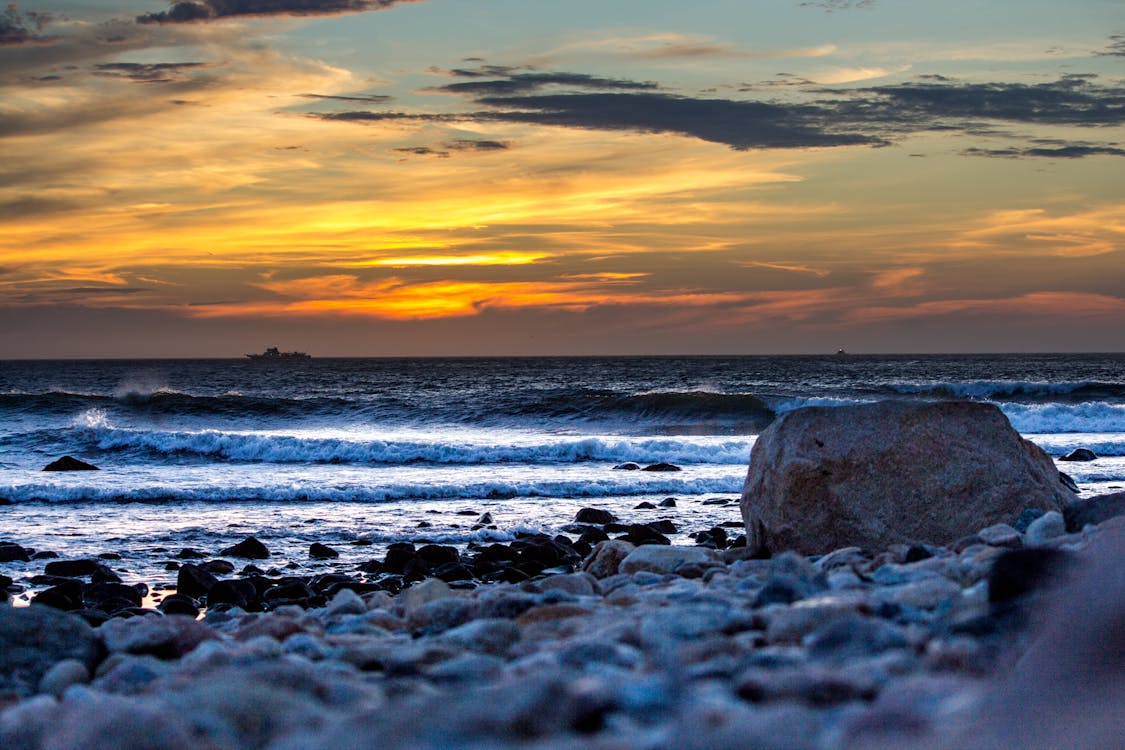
460 177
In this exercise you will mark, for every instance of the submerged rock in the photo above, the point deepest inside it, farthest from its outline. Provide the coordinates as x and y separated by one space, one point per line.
69 463
873 475
249 548
1080 454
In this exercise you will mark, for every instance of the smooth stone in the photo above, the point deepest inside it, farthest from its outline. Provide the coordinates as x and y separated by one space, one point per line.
167 637
62 675
11 552
488 635
793 623
579 584
655 558
73 568
346 602
891 472
1080 454
69 463
606 557
318 551
818 687
627 466
1022 571
662 466
1001 535
668 502
423 593
1094 510
34 639
1049 526
926 593
854 637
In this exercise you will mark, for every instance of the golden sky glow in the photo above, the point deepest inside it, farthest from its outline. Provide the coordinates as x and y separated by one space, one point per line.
461 178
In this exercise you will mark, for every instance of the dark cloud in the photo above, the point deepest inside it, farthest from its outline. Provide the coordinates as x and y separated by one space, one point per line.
146 72
525 83
368 98
868 116
22 27
193 11
457 144
1059 152
1116 46
831 6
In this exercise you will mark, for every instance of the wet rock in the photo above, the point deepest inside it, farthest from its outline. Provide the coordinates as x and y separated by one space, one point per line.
34 639
110 597
179 604
194 581
661 467
627 466
643 533
236 592
66 596
249 548
69 463
188 553
594 516
668 502
218 567
398 557
73 568
892 472
318 551
646 505
11 552
1080 454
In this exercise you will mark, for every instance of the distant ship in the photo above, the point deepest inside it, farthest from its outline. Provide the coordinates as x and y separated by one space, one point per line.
273 355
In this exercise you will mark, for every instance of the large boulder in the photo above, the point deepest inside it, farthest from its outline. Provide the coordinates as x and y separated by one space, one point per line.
891 472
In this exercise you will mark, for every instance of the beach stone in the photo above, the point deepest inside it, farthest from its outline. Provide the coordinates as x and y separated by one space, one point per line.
926 593
793 623
594 516
668 502
892 472
661 467
1001 535
237 592
34 639
420 594
249 548
606 558
346 602
1019 572
854 637
163 637
72 568
627 466
64 674
656 558
491 635
817 687
1026 517
579 584
69 463
178 604
111 721
1094 510
1080 454
1045 528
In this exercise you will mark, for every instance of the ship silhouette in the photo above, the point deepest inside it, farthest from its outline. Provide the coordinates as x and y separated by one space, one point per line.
273 355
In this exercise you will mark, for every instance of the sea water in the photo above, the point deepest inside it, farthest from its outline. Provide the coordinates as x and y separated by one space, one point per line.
359 453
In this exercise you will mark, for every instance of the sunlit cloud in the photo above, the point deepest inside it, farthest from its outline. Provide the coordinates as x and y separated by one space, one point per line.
478 259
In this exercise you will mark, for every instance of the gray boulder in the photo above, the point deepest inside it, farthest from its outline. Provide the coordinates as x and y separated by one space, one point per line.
34 639
892 472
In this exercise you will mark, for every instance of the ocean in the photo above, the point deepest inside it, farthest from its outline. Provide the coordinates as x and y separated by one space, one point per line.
359 453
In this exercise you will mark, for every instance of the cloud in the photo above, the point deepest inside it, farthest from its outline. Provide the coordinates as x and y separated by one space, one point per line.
362 98
678 46
194 11
457 144
1116 46
22 27
832 6
524 83
146 72
1060 152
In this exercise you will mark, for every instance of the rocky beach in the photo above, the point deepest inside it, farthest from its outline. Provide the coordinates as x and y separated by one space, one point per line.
1008 634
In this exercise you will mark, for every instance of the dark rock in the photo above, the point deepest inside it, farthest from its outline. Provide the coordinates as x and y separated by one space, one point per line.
643 533
10 552
72 568
398 555
423 525
187 553
662 467
66 596
1022 571
34 639
249 548
171 565
1080 454
716 501
5 582
238 592
218 567
646 505
437 554
319 551
715 537
109 556
485 519
100 595
1026 517
616 528
1068 481
291 591
69 463
178 604
592 535
497 553
595 516
668 502
194 581
1095 510
627 466
453 572
102 574
47 555
663 526
916 553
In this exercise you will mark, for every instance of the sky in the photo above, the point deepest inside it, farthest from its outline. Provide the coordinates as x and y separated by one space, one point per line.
517 177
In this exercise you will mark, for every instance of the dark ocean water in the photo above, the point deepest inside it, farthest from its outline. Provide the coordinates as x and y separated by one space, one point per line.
199 452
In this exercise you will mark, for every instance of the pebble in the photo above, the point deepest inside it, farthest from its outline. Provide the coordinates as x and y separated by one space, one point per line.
1046 528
